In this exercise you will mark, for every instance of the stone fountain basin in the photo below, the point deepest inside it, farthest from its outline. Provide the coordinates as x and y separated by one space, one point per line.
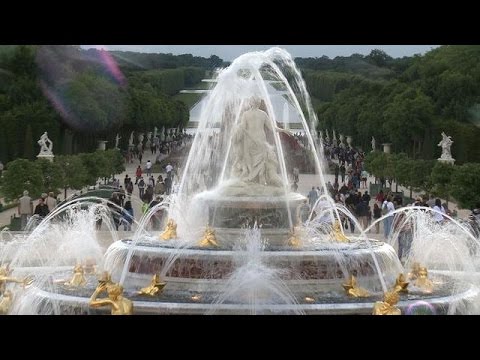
327 262
326 300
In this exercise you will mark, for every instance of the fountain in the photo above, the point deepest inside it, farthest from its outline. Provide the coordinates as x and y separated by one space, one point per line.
234 242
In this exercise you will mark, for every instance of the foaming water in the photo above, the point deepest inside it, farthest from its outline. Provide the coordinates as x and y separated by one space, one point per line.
254 283
65 238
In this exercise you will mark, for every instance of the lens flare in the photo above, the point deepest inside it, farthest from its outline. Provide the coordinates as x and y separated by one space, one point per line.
420 308
112 66
84 86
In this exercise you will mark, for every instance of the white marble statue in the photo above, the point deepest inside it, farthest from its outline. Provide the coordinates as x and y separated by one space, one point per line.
155 130
349 141
162 134
373 144
327 138
140 138
117 140
254 159
342 144
46 145
149 142
334 137
130 141
445 144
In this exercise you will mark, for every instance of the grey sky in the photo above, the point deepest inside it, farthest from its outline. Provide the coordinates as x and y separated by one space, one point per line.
230 52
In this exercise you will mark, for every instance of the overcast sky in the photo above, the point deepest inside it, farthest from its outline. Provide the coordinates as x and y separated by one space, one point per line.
230 52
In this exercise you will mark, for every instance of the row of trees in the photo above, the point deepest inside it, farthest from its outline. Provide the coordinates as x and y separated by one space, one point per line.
147 61
407 102
66 171
460 183
82 96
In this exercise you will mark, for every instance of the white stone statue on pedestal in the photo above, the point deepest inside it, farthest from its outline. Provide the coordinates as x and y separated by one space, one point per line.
373 144
130 141
334 137
46 145
162 134
327 137
342 145
140 138
117 140
445 144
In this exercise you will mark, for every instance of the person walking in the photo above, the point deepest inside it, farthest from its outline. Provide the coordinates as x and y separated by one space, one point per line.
51 201
141 187
148 167
41 209
25 209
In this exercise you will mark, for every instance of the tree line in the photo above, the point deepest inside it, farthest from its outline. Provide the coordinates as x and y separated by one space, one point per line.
82 96
66 171
458 183
407 101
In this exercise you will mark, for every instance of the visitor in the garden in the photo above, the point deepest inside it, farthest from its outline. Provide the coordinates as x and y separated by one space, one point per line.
25 209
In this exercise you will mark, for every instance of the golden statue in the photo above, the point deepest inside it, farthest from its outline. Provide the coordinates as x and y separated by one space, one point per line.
78 278
423 282
294 239
155 288
170 230
400 284
337 233
119 304
352 289
209 238
6 302
5 278
414 273
387 306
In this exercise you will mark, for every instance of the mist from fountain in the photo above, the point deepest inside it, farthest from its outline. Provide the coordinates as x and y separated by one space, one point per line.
63 239
254 284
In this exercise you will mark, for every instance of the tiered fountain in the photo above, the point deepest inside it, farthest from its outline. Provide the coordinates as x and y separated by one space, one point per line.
233 241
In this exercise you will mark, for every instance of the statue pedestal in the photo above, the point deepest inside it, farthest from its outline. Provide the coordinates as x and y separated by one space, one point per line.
48 157
387 148
450 161
102 144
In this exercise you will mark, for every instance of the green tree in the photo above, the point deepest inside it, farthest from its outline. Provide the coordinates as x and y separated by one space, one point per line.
378 57
420 171
115 160
402 165
441 178
96 166
74 175
28 152
23 61
21 175
52 175
375 164
466 185
95 103
413 108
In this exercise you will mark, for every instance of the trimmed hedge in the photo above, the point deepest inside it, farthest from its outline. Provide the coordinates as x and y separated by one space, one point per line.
8 206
